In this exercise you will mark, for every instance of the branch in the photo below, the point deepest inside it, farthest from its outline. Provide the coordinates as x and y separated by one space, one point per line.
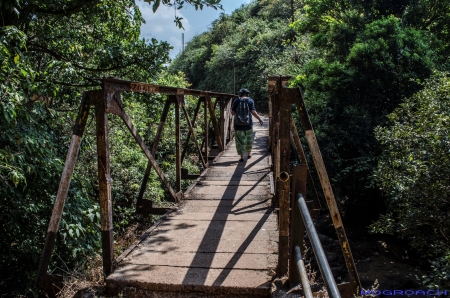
68 11
61 57
69 84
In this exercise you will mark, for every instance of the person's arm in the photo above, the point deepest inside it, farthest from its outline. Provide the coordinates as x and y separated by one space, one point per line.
257 116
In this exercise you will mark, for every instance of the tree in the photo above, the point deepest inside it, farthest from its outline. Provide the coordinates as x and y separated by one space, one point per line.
51 51
367 62
255 39
414 174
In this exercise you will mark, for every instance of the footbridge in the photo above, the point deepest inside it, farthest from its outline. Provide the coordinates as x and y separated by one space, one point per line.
238 226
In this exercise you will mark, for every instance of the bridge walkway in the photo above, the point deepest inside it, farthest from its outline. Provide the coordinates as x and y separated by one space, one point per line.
222 240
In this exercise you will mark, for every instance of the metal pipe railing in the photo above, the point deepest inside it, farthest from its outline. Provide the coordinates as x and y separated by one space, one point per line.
303 275
330 283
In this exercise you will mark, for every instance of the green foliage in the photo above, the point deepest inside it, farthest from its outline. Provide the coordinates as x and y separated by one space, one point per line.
255 39
367 62
49 53
413 172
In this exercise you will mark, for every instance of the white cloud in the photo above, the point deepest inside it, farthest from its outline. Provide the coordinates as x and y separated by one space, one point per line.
160 25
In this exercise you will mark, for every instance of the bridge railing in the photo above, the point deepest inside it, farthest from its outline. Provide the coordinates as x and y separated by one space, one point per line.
283 135
108 101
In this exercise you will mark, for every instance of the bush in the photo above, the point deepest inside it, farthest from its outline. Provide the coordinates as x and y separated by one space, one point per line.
413 172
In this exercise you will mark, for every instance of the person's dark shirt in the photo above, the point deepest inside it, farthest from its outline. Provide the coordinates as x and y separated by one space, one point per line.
251 107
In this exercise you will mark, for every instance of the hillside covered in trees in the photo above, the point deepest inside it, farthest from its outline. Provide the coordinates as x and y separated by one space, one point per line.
375 78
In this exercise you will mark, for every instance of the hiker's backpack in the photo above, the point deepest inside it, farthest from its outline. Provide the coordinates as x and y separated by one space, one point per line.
242 112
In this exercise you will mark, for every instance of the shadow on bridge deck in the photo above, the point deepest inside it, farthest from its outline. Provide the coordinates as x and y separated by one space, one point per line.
223 240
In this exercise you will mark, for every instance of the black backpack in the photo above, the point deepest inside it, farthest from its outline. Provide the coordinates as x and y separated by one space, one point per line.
242 112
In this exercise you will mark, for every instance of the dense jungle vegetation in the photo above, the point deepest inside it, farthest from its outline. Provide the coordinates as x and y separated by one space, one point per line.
374 75
51 51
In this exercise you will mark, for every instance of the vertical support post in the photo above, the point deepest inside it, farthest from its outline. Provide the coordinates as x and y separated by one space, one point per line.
154 147
297 228
284 180
227 122
177 143
275 86
328 192
283 223
222 121
270 123
206 123
212 115
66 177
104 183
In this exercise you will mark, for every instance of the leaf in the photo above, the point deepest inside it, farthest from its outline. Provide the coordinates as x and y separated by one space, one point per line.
156 5
16 59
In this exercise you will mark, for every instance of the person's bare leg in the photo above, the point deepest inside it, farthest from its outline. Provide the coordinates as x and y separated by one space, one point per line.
249 154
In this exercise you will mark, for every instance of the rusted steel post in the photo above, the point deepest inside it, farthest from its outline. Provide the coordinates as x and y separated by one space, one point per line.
284 182
177 145
227 121
276 139
206 123
302 157
283 223
328 192
104 183
194 137
270 124
297 228
66 177
186 143
154 147
222 121
212 115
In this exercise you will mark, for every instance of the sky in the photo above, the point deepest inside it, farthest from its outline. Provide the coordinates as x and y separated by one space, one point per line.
161 26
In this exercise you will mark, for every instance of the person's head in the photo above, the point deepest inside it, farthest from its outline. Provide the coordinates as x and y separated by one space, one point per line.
244 92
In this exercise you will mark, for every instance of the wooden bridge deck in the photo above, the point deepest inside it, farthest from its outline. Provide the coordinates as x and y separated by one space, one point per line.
223 240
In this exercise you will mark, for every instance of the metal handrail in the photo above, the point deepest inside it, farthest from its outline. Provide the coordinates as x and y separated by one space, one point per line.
303 275
324 267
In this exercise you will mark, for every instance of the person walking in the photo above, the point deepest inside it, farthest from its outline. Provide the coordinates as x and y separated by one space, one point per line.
243 107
